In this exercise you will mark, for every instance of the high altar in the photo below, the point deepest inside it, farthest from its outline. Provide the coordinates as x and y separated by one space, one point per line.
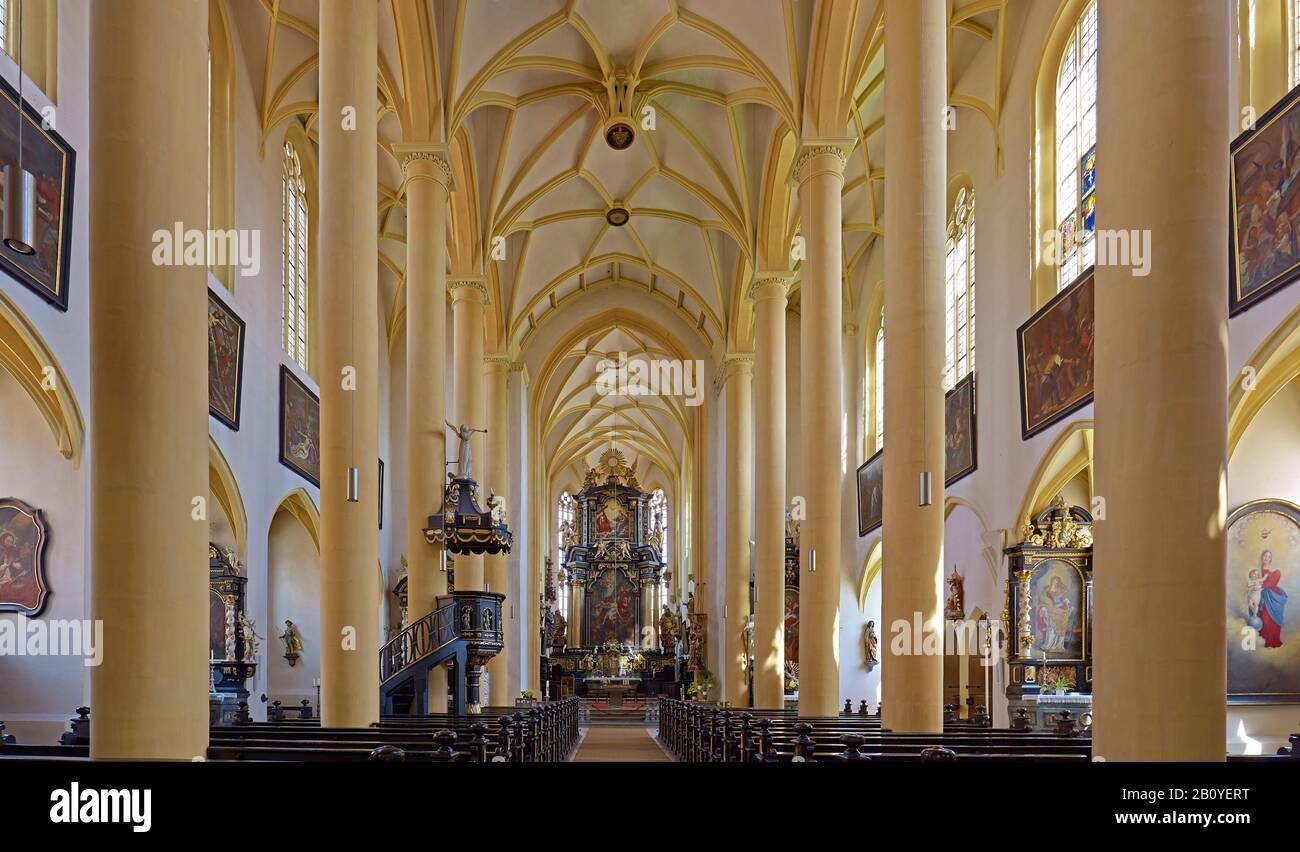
614 569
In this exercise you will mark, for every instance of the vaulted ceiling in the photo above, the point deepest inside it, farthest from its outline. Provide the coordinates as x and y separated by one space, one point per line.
717 92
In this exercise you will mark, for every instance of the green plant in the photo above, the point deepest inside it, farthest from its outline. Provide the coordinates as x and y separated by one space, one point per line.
1061 685
528 695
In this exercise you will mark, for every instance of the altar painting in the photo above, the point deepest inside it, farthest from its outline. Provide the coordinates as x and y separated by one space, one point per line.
613 607
613 520
791 624
1263 585
1056 617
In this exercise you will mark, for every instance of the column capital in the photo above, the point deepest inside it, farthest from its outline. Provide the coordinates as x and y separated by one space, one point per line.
425 160
498 363
734 364
463 287
817 155
770 285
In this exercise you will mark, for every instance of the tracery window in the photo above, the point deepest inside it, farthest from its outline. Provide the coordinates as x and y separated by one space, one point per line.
879 394
293 218
1076 149
959 291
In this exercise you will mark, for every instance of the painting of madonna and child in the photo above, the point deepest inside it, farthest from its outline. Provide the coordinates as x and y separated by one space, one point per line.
1263 576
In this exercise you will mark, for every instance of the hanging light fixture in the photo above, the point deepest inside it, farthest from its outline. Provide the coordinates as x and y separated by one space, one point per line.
354 485
20 184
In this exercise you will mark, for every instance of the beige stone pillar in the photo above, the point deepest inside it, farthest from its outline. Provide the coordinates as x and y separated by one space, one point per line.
1162 420
148 380
769 292
349 374
577 592
916 161
468 300
496 478
737 377
820 172
428 180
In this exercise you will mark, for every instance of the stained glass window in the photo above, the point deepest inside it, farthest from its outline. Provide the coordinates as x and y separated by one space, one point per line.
1076 149
293 220
959 291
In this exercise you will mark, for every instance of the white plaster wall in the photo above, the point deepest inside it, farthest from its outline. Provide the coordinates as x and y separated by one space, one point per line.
293 594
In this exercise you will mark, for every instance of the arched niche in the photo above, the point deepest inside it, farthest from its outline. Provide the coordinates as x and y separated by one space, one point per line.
293 593
24 353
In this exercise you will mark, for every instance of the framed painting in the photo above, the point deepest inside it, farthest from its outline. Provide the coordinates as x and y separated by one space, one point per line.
225 361
1264 200
960 455
52 162
791 624
381 494
1056 366
23 538
871 493
299 427
1057 609
1263 576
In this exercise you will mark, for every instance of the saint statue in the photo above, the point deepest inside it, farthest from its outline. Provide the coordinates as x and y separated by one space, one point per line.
465 458
560 631
248 632
292 642
669 626
870 645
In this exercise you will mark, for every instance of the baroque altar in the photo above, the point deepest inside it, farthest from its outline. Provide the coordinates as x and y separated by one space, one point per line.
233 643
1048 611
614 569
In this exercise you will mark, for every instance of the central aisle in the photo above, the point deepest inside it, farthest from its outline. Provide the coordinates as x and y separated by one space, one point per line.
619 744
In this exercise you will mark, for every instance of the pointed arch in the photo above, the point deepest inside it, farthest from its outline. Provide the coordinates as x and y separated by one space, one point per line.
25 354
1273 364
1068 456
870 571
225 490
299 504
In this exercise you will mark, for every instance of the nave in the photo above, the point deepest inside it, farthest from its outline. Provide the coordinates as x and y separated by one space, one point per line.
564 381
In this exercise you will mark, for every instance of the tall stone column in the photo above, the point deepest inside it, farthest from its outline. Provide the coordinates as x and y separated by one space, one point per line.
738 376
820 173
349 374
496 478
428 180
916 161
769 292
148 380
469 298
1163 359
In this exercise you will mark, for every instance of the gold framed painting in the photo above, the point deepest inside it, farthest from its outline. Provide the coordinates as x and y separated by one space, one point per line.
299 427
1056 358
1264 206
225 362
23 540
1262 590
871 493
50 160
961 453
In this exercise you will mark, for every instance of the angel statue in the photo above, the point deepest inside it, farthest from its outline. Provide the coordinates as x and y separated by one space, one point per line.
292 642
248 631
497 508
465 458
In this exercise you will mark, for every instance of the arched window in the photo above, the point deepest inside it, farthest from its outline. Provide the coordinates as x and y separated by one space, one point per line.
959 291
1076 148
4 25
563 521
880 384
293 219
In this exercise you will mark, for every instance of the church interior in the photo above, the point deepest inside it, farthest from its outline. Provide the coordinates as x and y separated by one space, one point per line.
591 381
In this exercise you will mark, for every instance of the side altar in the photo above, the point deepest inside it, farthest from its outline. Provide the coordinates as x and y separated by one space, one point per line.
613 566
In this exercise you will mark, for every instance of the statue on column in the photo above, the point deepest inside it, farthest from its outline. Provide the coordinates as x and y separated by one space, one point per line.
955 606
560 631
292 642
465 458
